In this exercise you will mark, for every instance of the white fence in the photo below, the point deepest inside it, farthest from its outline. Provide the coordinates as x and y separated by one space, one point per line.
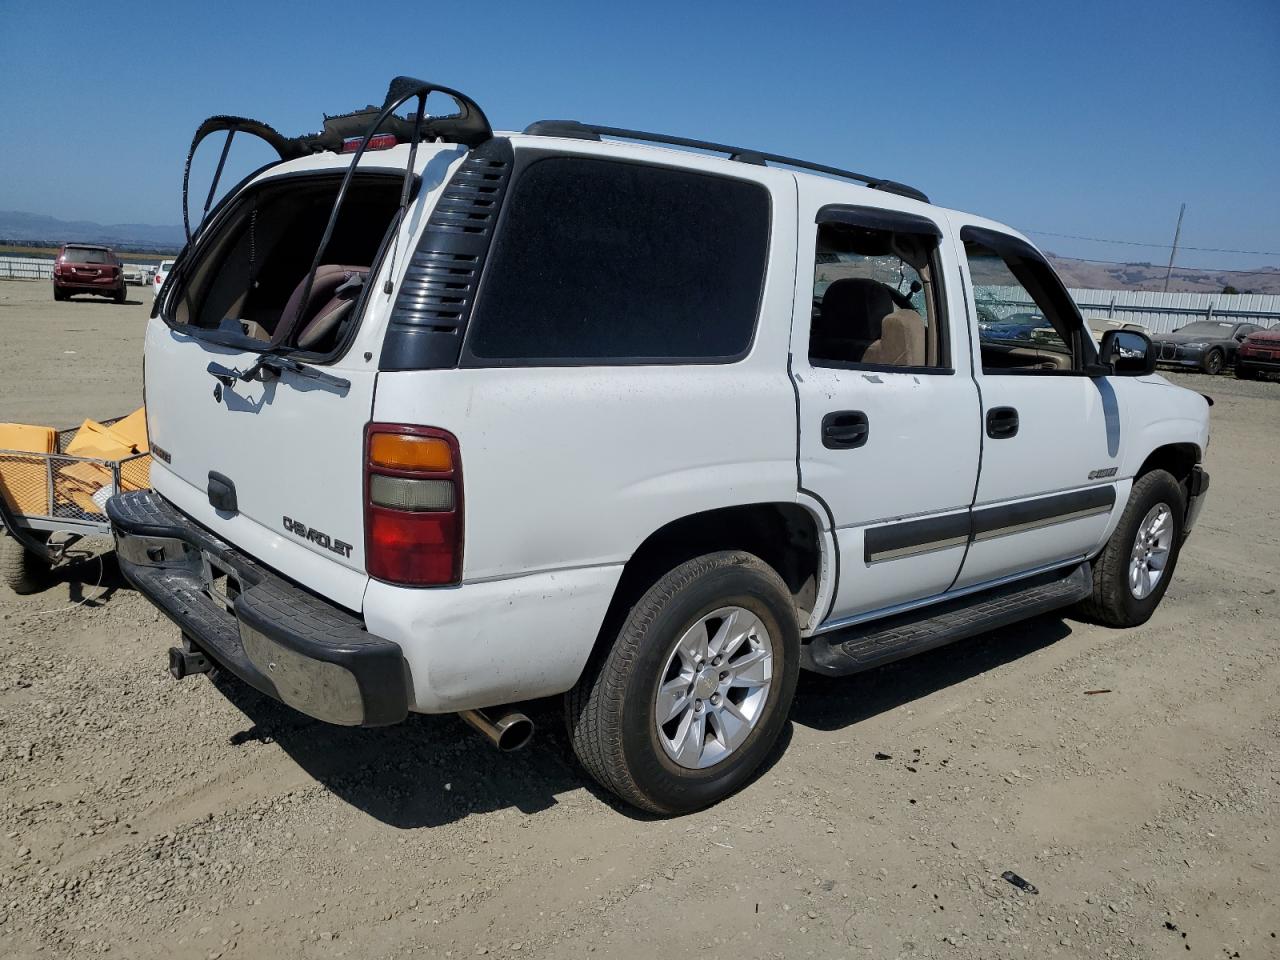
1162 312
38 268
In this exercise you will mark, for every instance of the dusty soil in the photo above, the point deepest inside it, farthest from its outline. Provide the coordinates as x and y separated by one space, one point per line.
63 362
157 819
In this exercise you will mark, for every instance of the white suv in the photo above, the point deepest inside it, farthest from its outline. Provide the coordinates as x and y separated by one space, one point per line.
466 418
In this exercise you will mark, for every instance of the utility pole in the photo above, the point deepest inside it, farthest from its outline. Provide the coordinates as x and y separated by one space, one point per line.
1174 252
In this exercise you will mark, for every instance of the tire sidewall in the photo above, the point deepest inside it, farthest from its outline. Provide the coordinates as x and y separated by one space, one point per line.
1213 361
1159 487
678 788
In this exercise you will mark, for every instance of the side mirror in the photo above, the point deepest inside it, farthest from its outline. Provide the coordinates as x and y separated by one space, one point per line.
1130 354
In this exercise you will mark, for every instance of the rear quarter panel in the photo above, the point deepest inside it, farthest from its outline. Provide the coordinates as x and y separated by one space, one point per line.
574 466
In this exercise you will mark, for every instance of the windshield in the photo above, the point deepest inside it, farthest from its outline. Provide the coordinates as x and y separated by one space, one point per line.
1207 328
85 255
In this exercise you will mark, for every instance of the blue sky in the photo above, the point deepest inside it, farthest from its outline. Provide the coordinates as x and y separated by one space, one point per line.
1094 119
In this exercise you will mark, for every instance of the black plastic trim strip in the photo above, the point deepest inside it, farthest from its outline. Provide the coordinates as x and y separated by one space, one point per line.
438 293
996 521
878 218
910 537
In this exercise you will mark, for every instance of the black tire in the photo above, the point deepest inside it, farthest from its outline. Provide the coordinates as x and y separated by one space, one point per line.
59 295
119 295
1113 604
19 570
1212 362
1245 373
610 713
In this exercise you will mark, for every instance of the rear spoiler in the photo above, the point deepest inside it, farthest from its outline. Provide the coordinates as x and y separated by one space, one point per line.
467 126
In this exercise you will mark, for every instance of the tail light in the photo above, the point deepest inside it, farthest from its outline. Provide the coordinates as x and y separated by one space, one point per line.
413 505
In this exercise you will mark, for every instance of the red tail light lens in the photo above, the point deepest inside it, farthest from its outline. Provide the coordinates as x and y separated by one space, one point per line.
379 141
413 505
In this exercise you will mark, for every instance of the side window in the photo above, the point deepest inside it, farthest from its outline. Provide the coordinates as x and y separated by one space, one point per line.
875 299
612 262
1024 325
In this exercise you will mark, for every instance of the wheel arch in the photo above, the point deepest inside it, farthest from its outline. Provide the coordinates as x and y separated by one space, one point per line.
788 536
1177 458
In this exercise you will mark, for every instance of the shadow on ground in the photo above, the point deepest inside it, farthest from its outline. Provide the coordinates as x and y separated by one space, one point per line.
91 298
432 770
832 703
88 580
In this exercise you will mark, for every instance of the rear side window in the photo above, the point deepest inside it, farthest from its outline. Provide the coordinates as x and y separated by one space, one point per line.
601 261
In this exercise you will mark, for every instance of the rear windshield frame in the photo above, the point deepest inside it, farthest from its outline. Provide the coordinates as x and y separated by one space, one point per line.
225 212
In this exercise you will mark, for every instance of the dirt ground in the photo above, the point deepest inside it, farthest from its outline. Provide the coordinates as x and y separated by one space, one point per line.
1133 777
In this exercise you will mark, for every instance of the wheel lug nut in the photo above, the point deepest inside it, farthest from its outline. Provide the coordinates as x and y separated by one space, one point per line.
724 675
715 699
697 705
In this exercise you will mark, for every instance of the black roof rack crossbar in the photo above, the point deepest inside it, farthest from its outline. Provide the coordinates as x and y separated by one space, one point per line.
576 130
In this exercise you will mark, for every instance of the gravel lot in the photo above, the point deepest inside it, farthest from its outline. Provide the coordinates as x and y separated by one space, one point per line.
155 819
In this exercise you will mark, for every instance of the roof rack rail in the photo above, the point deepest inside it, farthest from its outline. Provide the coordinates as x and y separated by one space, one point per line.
576 130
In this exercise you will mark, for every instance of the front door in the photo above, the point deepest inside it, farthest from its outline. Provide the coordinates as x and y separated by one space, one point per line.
1052 431
888 410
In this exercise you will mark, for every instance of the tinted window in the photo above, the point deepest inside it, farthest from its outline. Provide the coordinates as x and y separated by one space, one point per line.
86 255
599 260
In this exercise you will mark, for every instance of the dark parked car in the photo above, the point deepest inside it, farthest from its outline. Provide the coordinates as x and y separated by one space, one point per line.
1209 345
1260 353
1016 326
85 268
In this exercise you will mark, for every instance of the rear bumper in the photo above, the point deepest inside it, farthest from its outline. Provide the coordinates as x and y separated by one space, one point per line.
273 635
102 284
1198 489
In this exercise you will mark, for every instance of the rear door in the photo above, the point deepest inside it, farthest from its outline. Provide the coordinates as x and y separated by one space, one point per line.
288 447
888 411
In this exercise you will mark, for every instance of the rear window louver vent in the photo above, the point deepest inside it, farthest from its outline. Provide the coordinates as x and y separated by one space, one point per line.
439 288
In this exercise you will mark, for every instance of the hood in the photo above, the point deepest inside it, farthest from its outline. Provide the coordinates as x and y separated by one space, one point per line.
1186 338
1266 336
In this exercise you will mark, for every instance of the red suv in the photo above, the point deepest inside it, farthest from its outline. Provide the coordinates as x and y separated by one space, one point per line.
1260 353
85 268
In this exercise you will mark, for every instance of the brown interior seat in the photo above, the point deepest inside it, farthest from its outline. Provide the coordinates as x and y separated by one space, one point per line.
850 318
902 340
332 297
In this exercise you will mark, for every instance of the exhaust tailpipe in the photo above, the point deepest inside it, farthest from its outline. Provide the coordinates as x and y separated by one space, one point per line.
509 730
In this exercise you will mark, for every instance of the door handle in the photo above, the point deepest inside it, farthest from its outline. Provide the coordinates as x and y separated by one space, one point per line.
845 429
1002 423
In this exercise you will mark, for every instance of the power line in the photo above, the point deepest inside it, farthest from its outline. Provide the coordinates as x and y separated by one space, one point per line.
1163 246
1269 272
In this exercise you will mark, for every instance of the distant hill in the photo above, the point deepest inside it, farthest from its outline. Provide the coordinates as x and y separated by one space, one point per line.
36 229
1150 276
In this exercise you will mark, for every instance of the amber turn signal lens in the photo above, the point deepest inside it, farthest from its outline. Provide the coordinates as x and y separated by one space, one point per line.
406 452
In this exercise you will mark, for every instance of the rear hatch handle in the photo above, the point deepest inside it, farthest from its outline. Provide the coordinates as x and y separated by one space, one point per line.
269 364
